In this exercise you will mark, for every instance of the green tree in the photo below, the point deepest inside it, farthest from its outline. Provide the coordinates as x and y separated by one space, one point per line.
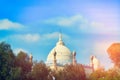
40 71
15 74
7 59
114 53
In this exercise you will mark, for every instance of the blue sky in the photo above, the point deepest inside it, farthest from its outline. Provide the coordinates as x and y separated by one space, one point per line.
88 26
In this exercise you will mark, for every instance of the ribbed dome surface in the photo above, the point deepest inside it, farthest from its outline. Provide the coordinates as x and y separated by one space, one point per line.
63 54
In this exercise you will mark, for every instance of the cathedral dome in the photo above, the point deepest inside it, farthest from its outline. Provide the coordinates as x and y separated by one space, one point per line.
63 54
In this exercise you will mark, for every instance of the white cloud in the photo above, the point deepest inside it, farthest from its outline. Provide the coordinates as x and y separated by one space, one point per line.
34 38
54 35
17 50
51 35
73 21
103 28
85 25
29 38
97 25
6 24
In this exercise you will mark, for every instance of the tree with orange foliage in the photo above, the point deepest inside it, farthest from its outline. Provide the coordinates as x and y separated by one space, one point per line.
71 72
114 53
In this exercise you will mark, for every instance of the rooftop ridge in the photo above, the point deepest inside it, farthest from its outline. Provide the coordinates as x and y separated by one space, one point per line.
86 66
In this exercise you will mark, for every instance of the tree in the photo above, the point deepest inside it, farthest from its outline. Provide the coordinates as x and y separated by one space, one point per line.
40 71
112 74
114 53
72 72
15 74
99 74
7 59
22 62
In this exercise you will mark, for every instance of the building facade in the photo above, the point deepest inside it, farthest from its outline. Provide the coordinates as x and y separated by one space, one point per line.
60 55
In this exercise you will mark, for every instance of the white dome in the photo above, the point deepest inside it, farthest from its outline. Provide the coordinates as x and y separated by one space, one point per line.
63 54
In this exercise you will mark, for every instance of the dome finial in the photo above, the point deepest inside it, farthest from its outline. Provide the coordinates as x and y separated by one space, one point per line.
60 37
60 42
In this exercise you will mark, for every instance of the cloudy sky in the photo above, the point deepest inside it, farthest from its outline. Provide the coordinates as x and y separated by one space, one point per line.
88 26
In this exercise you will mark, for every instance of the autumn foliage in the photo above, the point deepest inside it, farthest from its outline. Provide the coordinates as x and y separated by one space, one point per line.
18 67
114 53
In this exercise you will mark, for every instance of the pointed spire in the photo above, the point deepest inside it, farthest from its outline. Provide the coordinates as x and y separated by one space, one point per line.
60 37
60 42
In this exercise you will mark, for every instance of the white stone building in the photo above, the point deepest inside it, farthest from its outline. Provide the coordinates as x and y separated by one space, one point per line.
61 55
